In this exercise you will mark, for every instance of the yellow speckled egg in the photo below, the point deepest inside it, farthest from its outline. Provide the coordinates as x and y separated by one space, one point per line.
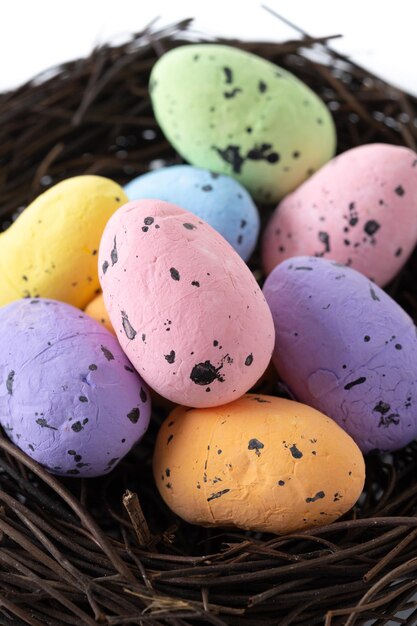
259 463
51 249
98 312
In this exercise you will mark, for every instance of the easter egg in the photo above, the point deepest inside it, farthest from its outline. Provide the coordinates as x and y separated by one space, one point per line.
360 210
259 463
186 309
346 348
69 397
232 112
50 251
97 311
218 200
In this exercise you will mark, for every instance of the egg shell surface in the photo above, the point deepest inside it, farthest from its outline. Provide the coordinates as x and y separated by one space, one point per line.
346 348
186 309
259 463
69 397
360 210
232 112
218 200
51 249
98 312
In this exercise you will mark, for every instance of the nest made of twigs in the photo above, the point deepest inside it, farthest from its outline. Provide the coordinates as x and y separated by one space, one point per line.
70 552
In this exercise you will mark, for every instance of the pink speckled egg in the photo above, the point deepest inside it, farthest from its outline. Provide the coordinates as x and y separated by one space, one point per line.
360 210
185 307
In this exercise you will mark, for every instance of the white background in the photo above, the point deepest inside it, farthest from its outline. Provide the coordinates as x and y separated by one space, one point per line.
35 34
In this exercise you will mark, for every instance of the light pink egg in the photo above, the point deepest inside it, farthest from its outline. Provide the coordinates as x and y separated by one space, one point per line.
360 210
186 309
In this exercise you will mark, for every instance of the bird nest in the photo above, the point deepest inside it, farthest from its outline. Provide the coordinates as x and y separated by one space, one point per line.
107 550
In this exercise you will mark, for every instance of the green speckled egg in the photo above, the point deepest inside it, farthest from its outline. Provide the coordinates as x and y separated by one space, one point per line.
234 113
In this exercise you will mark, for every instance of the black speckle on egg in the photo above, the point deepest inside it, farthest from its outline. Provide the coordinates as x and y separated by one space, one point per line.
398 346
143 395
105 266
249 360
205 373
295 452
189 226
228 75
130 332
281 483
325 239
218 494
92 367
195 283
399 190
319 496
129 369
382 407
255 444
175 275
113 254
133 415
10 381
367 338
41 421
148 221
358 381
83 399
77 427
207 188
170 358
398 252
371 227
373 294
107 353
232 93
262 86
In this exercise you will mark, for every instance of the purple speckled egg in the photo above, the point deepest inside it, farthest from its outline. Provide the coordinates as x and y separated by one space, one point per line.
344 347
69 397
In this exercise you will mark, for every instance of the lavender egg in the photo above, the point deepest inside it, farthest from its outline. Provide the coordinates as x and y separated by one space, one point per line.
69 397
344 347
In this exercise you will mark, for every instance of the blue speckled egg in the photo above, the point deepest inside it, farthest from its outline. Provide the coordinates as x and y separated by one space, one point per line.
219 200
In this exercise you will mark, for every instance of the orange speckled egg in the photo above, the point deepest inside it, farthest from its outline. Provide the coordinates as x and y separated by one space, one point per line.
98 312
259 463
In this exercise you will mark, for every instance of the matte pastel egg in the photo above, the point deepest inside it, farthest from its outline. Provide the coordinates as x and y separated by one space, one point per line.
218 200
346 348
50 251
360 210
185 307
232 112
69 397
97 311
259 463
